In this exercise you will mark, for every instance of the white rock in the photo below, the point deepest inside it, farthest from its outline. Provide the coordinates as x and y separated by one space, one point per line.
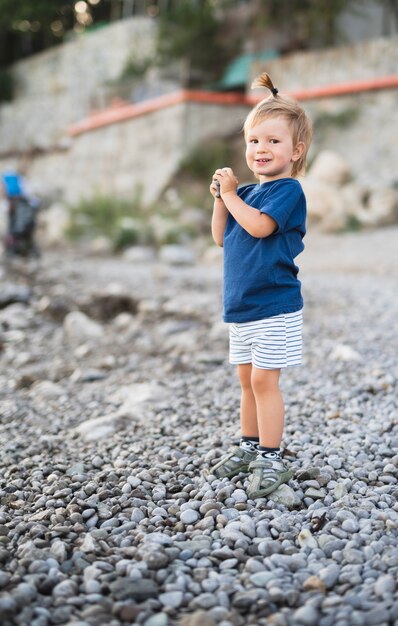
385 585
59 550
189 303
98 427
47 389
383 206
343 352
340 490
123 320
174 254
285 495
325 204
78 327
88 544
139 254
133 398
330 167
306 540
239 495
16 316
172 599
189 516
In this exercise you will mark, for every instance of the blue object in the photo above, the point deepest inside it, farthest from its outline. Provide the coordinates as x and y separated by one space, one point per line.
238 72
260 276
12 182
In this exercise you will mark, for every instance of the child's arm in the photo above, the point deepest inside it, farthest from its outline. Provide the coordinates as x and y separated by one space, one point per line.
219 218
255 223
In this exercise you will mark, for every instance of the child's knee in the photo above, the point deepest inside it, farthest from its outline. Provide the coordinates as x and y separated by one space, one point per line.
264 381
245 375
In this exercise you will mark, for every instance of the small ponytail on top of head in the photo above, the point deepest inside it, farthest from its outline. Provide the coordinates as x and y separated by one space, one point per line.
264 80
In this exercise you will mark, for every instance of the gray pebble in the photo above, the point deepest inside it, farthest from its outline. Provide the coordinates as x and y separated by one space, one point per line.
172 599
189 516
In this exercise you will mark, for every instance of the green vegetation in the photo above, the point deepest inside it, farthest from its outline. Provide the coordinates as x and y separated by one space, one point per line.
206 158
204 34
6 85
308 23
340 119
130 222
123 221
353 224
136 68
191 31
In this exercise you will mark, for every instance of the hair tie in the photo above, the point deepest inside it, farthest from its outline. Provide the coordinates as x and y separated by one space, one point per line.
274 91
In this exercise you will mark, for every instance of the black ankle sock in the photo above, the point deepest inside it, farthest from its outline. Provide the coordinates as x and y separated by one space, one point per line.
249 444
269 453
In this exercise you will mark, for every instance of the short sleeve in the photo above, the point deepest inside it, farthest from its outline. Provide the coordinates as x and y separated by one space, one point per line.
281 203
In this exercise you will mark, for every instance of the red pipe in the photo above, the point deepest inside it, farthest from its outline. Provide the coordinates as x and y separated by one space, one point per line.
121 111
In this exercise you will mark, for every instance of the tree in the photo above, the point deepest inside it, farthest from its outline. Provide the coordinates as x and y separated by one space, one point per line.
309 23
190 31
27 27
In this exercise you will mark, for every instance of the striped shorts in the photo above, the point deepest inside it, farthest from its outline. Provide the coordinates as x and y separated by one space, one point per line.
271 343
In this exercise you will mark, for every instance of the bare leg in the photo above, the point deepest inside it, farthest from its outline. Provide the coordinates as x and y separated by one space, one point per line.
270 406
248 408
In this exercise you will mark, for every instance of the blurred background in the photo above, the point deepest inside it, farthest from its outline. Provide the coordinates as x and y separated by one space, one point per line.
115 113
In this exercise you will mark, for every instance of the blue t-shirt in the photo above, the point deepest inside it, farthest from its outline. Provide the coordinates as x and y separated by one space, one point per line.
260 276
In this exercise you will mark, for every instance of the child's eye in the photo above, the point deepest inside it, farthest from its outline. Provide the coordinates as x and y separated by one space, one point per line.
253 141
274 141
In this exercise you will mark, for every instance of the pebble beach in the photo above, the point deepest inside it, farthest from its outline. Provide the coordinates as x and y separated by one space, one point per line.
116 399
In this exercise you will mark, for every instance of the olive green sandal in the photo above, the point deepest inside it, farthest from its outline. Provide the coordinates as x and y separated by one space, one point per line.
267 476
236 461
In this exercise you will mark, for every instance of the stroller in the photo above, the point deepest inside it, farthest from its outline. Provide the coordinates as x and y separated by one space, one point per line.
22 210
22 219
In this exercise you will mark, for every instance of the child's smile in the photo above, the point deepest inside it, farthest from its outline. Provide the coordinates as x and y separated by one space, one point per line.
269 149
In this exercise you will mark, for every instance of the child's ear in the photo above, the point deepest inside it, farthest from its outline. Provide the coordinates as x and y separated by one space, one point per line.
298 151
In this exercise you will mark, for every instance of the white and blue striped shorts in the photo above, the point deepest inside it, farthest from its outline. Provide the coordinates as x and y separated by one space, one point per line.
271 343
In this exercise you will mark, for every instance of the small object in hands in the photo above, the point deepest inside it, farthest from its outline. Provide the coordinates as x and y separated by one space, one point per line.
218 192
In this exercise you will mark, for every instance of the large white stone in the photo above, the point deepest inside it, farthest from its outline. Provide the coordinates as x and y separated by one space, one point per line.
47 389
98 427
383 206
325 204
132 400
331 168
78 327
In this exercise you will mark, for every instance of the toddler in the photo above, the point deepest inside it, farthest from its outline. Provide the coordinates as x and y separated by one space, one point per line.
261 228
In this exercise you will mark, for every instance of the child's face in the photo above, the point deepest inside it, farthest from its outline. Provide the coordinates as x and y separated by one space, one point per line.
270 153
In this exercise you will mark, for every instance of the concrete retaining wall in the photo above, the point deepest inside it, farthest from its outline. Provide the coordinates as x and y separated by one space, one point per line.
140 153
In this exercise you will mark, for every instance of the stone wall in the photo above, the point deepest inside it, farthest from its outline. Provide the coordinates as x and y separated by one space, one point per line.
62 85
140 153
361 127
343 64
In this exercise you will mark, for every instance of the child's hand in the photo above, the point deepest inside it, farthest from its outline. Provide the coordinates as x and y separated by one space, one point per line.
227 180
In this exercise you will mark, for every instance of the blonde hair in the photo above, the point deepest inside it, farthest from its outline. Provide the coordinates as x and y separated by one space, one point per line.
282 106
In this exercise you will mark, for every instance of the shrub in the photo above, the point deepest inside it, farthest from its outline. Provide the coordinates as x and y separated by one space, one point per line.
6 85
115 218
206 158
